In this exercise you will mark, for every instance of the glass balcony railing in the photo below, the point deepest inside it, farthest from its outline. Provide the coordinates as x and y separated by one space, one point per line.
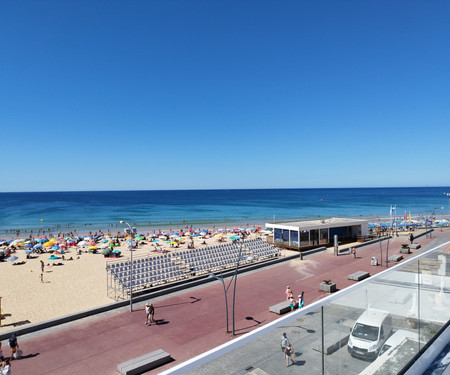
373 327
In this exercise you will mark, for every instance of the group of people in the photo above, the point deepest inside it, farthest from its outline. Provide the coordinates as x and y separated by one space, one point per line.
295 304
5 363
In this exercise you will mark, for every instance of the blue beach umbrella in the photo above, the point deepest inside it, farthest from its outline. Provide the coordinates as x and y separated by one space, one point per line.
38 246
28 251
28 245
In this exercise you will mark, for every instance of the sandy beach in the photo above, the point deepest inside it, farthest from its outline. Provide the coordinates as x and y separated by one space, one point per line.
76 285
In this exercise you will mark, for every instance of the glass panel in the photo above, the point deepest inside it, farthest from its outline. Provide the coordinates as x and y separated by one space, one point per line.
264 352
294 238
277 234
323 236
304 238
387 318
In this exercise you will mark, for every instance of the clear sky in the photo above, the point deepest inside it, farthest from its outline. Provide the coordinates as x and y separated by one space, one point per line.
137 95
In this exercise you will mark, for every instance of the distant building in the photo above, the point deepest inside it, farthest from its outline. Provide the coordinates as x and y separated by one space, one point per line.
321 232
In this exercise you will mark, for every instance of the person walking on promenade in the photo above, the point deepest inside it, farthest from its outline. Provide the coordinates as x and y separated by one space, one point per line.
411 238
289 354
14 345
147 314
354 252
150 313
5 367
301 301
288 292
284 342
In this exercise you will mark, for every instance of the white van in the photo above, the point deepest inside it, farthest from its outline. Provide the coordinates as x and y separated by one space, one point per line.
369 333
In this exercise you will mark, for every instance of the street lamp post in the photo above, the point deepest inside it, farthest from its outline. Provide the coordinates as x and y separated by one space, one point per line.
220 278
234 278
132 230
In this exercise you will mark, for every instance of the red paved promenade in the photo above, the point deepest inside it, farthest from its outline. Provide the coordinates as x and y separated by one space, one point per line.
191 321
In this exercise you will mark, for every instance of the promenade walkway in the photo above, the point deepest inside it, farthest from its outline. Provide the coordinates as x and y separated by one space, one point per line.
190 322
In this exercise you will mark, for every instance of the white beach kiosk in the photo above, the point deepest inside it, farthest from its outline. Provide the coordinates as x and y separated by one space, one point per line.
312 233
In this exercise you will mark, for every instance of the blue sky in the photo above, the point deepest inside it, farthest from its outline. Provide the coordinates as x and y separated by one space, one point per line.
131 95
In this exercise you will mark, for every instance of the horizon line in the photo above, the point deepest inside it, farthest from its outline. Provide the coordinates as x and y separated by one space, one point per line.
223 189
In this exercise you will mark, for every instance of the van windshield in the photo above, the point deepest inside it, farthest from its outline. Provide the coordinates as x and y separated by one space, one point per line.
365 332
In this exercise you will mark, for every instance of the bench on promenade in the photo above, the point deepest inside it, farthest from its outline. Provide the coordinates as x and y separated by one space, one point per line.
358 276
144 363
281 308
415 246
405 250
395 258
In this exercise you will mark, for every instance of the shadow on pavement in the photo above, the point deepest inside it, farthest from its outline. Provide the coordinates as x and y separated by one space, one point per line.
28 356
194 300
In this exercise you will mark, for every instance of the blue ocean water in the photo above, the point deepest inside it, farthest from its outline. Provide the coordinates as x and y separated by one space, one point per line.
93 210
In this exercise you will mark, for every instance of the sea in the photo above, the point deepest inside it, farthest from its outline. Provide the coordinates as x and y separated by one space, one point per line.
87 211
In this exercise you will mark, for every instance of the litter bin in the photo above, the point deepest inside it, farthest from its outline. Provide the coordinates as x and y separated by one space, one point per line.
374 261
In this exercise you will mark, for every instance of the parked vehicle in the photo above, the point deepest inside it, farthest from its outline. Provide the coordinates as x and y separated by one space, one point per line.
396 352
369 333
397 338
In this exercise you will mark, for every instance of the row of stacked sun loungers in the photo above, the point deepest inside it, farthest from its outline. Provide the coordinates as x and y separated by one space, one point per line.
151 271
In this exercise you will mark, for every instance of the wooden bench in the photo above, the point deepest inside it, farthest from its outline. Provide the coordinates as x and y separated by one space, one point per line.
415 246
281 308
358 276
144 363
396 258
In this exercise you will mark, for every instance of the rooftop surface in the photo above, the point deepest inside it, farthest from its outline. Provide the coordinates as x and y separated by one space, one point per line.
317 223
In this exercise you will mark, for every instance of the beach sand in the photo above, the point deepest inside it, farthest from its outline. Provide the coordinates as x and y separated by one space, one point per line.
77 285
